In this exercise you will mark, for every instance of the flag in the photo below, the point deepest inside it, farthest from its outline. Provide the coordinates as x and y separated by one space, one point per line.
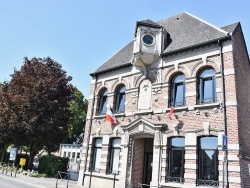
110 116
171 112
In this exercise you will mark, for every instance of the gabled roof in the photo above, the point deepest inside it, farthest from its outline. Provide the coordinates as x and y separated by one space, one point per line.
185 31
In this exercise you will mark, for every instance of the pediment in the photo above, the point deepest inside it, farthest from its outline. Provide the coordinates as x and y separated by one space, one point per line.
141 126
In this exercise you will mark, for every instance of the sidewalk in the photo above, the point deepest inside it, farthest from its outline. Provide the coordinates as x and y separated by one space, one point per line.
44 182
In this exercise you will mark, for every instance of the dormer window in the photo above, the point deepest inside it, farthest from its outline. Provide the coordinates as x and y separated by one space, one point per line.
148 39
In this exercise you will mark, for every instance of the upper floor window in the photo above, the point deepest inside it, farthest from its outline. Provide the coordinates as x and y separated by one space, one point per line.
114 156
120 100
177 94
97 154
176 160
103 102
207 86
208 161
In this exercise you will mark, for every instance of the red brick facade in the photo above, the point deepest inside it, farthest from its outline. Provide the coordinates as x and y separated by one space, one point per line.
200 120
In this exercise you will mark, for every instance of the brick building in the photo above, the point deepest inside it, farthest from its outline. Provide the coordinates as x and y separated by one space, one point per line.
177 89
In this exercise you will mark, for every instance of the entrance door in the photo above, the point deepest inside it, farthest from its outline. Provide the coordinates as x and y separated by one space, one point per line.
148 161
142 161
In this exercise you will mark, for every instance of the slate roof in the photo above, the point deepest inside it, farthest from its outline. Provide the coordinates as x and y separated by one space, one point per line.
185 31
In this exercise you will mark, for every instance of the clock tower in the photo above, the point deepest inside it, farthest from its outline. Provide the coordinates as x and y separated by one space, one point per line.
150 40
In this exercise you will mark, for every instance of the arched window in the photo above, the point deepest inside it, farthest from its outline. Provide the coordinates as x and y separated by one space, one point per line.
177 95
176 160
120 99
207 86
103 102
208 161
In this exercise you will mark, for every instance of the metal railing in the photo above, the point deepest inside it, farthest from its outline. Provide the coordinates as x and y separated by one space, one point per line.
207 100
207 183
62 176
175 179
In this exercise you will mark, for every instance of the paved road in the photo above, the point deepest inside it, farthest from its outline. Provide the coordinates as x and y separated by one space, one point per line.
21 181
11 182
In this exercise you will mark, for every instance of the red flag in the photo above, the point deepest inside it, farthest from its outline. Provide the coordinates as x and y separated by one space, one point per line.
110 116
171 112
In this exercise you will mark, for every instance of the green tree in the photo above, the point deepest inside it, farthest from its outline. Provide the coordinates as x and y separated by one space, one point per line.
5 113
78 112
34 105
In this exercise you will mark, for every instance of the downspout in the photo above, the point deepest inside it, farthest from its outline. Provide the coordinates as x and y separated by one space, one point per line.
90 127
160 157
224 111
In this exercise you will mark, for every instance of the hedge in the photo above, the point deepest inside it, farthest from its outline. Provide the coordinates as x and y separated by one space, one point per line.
50 165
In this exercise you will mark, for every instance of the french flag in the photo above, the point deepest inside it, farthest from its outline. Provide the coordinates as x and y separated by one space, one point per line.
110 116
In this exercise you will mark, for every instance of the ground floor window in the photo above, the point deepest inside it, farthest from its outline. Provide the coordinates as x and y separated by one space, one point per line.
208 161
97 149
114 156
176 160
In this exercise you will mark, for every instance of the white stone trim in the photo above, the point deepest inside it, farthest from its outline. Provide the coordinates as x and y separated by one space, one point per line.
91 97
188 80
190 139
191 156
229 72
190 147
190 94
190 166
191 57
233 147
165 97
189 176
218 90
231 103
234 179
129 114
230 168
158 111
229 157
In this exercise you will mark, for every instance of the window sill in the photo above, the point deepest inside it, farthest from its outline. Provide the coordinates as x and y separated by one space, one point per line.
99 116
143 112
205 106
119 114
173 184
177 109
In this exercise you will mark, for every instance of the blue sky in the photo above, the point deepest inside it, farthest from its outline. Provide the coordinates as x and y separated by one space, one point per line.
82 34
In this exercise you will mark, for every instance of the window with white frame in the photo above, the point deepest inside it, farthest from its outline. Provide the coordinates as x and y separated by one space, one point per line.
114 156
97 149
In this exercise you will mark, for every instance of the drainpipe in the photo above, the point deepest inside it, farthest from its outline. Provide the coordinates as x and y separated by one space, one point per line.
160 157
224 112
90 127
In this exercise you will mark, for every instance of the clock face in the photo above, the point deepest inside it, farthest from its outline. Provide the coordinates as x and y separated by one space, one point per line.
148 39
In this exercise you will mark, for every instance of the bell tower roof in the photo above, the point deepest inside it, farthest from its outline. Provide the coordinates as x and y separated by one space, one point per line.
148 23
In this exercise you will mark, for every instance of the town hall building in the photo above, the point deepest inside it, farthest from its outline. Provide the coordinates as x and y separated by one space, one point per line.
180 94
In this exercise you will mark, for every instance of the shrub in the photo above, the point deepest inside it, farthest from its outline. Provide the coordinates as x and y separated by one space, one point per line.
50 165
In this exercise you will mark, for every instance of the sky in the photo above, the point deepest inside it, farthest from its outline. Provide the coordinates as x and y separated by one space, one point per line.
81 35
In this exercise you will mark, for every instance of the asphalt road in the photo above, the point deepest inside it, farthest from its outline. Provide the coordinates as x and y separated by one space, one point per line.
21 181
11 182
